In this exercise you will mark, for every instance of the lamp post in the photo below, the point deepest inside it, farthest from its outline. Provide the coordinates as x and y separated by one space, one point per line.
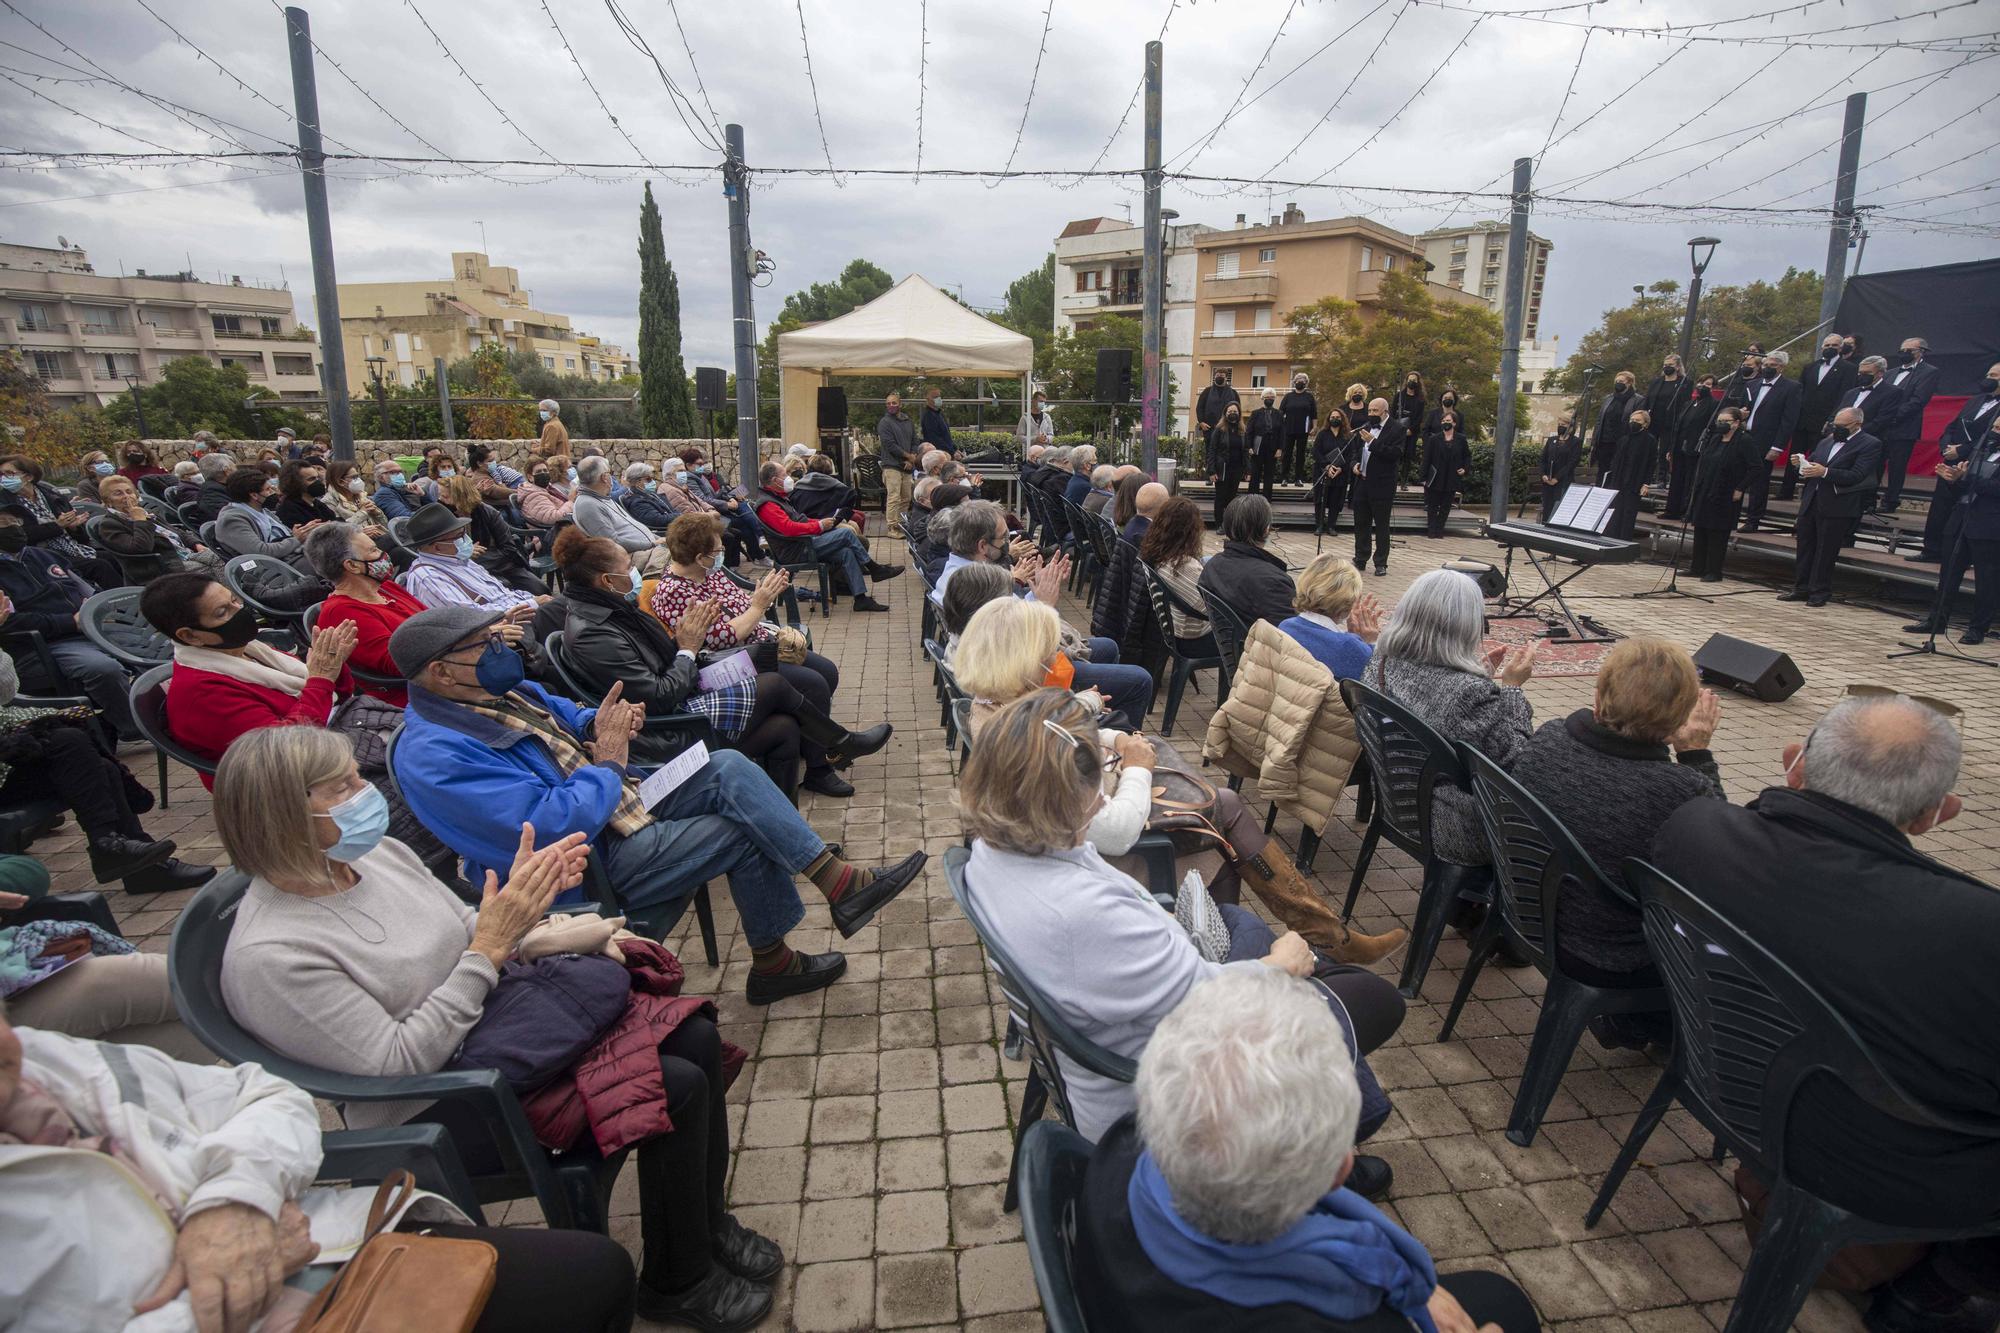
375 364
138 404
1167 217
1700 250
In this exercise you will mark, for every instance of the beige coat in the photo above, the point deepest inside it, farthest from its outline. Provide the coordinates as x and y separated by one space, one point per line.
1284 724
555 437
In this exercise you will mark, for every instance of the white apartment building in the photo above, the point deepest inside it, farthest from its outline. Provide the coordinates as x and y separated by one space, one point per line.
87 335
1473 258
1098 262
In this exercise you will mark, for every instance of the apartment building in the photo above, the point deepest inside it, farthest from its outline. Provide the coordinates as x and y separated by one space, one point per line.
89 336
1250 277
409 324
1473 258
1098 267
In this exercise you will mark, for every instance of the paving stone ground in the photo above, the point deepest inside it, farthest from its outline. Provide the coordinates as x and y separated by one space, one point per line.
871 1129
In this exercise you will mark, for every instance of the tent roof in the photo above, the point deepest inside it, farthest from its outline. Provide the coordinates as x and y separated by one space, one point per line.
911 327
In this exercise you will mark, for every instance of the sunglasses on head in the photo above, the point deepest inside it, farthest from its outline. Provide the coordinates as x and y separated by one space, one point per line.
1942 707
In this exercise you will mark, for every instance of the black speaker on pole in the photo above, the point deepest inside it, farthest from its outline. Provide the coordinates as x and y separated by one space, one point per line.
1763 673
1114 375
832 407
711 388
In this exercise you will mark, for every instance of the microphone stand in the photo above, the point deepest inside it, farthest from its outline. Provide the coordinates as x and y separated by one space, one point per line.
1940 608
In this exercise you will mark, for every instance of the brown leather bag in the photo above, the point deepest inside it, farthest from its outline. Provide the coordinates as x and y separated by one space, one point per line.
1184 803
404 1283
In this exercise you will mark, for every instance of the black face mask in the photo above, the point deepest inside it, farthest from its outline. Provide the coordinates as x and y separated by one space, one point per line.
135 460
1842 432
1847 349
1747 372
540 479
1356 400
1450 401
1829 353
1374 420
1770 372
1907 358
1867 378
1562 430
1989 385
1668 372
1218 381
316 489
236 631
13 539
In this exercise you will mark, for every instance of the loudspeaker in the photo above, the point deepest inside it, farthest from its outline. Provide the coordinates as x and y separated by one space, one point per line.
832 407
711 388
1492 583
1114 375
1763 673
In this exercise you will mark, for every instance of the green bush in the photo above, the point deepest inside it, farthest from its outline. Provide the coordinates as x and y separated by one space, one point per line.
1522 479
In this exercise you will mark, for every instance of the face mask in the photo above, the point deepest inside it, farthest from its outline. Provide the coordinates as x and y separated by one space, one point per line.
500 669
1450 401
1704 393
1867 378
1062 673
102 469
1847 349
1770 372
632 593
135 460
1989 385
571 475
13 539
363 820
236 631
462 548
652 485
543 415
1562 430
398 480
1747 371
789 483
378 569
701 469
1842 432
1374 420
12 483
1218 381
540 479
715 560
1907 358
1668 372
446 475
316 489
1356 400
1830 352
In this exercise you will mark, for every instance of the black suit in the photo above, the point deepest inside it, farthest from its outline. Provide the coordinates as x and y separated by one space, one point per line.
1213 402
1375 493
1821 385
1972 532
1684 448
1225 464
1722 468
1971 422
1878 403
1444 460
1663 402
1830 509
1559 458
1301 413
1774 415
1900 433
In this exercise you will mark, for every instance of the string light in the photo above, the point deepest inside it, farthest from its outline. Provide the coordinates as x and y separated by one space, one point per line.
923 60
1248 79
1137 88
588 82
1354 78
683 108
1034 80
812 85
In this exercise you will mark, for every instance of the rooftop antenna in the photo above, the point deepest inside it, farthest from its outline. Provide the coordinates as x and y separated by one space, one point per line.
482 236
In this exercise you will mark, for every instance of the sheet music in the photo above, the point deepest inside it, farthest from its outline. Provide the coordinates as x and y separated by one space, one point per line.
1586 507
672 774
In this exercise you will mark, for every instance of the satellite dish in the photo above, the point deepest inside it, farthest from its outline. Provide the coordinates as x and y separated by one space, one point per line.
63 242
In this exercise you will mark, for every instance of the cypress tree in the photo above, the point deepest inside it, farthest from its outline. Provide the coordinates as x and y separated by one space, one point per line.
664 410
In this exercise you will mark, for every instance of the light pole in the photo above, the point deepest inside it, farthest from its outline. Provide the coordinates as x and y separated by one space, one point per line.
1167 216
375 364
1700 250
138 404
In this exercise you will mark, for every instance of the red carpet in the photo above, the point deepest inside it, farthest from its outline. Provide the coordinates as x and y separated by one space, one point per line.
1555 657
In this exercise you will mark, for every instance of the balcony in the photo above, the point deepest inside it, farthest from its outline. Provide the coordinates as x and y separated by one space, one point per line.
1258 285
1243 344
1075 303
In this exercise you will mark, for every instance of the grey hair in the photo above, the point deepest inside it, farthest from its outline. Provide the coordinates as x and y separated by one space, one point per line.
1782 358
1923 344
972 523
939 527
588 470
1878 362
186 468
1101 475
1083 456
549 405
214 467
1248 1103
1060 456
637 472
328 549
921 492
953 471
1890 755
1437 622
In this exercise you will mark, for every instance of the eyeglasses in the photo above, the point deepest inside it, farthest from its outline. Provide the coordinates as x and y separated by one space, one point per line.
1942 707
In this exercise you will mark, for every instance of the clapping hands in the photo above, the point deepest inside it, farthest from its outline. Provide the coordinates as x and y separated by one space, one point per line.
1511 666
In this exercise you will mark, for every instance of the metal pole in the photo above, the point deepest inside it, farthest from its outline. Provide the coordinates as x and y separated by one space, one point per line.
1152 276
444 398
382 405
312 171
736 188
1687 324
1513 316
1843 208
138 407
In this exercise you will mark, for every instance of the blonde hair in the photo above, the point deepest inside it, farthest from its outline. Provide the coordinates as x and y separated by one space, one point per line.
1353 389
461 494
1641 414
1028 787
1646 688
262 809
1006 647
1330 585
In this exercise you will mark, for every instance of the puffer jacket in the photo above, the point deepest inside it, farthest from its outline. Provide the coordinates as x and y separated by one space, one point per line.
1284 724
1124 614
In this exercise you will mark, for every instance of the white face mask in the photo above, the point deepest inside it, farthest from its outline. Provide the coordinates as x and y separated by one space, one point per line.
790 482
543 415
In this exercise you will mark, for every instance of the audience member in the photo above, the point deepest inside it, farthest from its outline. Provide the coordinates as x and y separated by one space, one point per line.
743 538
1082 462
496 544
821 494
140 461
186 488
496 476
445 573
347 495
247 526
144 547
651 507
598 514
51 525
975 586
75 978
547 499
393 496
1102 478
212 495
366 596
796 539
38 591
1172 549
1336 622
91 468
1250 579
302 491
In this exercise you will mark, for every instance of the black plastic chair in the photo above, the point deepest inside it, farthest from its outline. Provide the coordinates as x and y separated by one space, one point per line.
1534 859
948 689
1165 602
111 620
1232 631
865 475
255 577
789 600
190 516
309 623
1044 1030
1053 1161
1749 1031
149 712
207 535
774 542
362 1156
155 485
1407 759
572 1187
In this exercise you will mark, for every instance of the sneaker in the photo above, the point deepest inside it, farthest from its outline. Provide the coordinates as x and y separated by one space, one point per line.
816 971
720 1303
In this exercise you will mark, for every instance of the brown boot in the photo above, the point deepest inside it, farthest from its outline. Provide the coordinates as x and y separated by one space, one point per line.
1284 890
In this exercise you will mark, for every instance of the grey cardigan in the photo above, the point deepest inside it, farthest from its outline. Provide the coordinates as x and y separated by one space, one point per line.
601 516
1494 719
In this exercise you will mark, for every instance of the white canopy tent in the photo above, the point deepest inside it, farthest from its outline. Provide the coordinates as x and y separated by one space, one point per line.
911 329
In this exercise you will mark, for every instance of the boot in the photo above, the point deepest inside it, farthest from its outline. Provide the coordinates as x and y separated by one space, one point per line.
842 746
114 856
1294 902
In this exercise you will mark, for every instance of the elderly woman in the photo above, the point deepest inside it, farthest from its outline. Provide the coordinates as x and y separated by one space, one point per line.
644 500
744 536
1231 1199
599 515
1245 576
496 543
1004 653
366 596
52 525
549 495
1336 622
1086 934
92 468
144 547
187 483
1613 773
308 975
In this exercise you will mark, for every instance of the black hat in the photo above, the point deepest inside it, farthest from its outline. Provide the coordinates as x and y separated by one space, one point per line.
434 522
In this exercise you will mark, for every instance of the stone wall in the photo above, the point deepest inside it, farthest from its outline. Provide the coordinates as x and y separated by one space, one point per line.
514 453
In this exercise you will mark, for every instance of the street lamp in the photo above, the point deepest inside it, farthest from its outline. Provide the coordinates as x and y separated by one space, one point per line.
1700 250
138 404
375 364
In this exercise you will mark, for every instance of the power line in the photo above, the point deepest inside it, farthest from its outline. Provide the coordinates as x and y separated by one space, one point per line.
1947 125
812 85
1804 39
61 106
1395 115
477 86
923 60
1582 50
1354 78
1248 79
694 67
1137 88
1034 79
588 82
683 108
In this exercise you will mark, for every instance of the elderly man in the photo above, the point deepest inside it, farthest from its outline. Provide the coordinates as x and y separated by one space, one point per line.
598 515
1774 416
1036 426
650 506
1383 444
1839 482
215 469
1147 504
1082 461
444 572
936 430
918 516
286 443
797 539
896 438
1102 478
1056 464
484 752
392 490
1955 446
555 435
1916 380
1822 872
1971 536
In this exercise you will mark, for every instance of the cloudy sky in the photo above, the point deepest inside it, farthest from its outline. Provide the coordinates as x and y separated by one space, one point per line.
1387 98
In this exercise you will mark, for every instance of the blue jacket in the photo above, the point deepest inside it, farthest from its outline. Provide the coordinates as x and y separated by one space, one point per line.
1077 488
393 502
937 431
47 593
474 782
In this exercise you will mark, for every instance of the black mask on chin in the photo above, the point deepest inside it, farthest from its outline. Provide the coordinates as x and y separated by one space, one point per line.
1842 432
236 631
13 539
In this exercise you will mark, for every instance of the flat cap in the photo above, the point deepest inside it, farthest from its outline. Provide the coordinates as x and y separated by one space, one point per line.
429 635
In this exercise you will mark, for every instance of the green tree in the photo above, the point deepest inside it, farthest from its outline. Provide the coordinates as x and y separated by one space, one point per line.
193 393
1067 368
663 386
1638 335
1031 303
490 377
1449 343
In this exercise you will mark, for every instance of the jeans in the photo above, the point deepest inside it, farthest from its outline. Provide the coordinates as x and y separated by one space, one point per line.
88 668
740 535
843 548
728 819
71 769
1126 689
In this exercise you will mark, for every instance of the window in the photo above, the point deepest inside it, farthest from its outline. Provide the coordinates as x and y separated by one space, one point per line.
1388 263
1226 264
569 363
229 326
549 362
1367 258
100 319
1262 318
1225 322
1268 255
113 365
1258 376
1458 244
50 365
293 365
1489 291
35 317
1528 386
270 326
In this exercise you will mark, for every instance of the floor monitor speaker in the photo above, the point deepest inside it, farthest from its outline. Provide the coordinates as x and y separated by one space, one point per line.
1763 673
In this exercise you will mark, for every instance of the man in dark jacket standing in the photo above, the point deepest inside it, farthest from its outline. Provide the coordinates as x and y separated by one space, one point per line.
1774 415
1821 872
1880 402
1971 535
1300 411
1382 452
1684 446
1955 446
1216 399
1612 423
1263 434
1917 379
39 591
936 430
1839 482
897 436
1822 384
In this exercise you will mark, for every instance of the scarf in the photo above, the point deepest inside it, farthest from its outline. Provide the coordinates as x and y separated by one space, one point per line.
1343 1260
37 504
260 665
516 713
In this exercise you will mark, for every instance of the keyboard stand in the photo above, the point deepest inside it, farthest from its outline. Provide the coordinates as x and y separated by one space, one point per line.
1581 628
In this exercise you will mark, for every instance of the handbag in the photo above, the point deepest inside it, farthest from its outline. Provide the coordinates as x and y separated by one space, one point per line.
543 1015
791 646
401 1282
1201 919
1184 804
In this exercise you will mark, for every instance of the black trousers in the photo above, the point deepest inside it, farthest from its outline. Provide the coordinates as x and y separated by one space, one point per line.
1710 546
551 1279
1489 1298
1437 510
71 768
1265 463
1983 557
1329 498
1551 497
1371 524
1295 459
1820 539
1895 466
1226 484
1756 492
1944 499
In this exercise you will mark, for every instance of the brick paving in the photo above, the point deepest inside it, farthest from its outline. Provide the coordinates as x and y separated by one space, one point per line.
872 1127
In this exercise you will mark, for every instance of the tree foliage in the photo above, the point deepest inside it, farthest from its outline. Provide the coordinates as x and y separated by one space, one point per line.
1031 304
1450 344
1067 368
193 393
490 377
53 436
1638 335
663 388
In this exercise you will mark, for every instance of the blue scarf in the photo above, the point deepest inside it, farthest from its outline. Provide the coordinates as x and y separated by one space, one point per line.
1343 1260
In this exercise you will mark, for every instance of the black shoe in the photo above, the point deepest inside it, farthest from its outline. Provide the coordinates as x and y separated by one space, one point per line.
859 744
1888 506
1817 601
138 796
718 1303
1972 637
826 782
1371 1176
1748 527
1613 1035
115 856
1381 571
1923 627
857 907
879 572
1924 558
743 1252
1919 1302
1793 596
169 876
866 603
816 971
1711 578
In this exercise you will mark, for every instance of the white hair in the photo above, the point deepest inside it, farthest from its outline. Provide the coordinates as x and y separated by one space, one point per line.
186 468
1782 359
215 466
637 472
589 469
1102 476
1248 1103
1891 756
1875 361
549 405
1083 456
1437 622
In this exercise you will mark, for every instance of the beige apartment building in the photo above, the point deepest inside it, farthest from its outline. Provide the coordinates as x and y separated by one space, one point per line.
409 324
90 335
1249 278
1473 258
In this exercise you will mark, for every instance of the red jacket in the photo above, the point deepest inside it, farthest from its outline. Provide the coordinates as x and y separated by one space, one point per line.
374 622
616 1091
777 514
206 710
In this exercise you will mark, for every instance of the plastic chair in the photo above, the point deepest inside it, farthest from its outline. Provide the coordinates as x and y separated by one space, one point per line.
572 1187
1231 630
1407 759
865 474
789 600
207 534
775 542
111 621
155 485
1044 1029
1053 1160
255 577
149 713
1165 602
1749 1032
366 1156
309 622
190 516
1534 859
